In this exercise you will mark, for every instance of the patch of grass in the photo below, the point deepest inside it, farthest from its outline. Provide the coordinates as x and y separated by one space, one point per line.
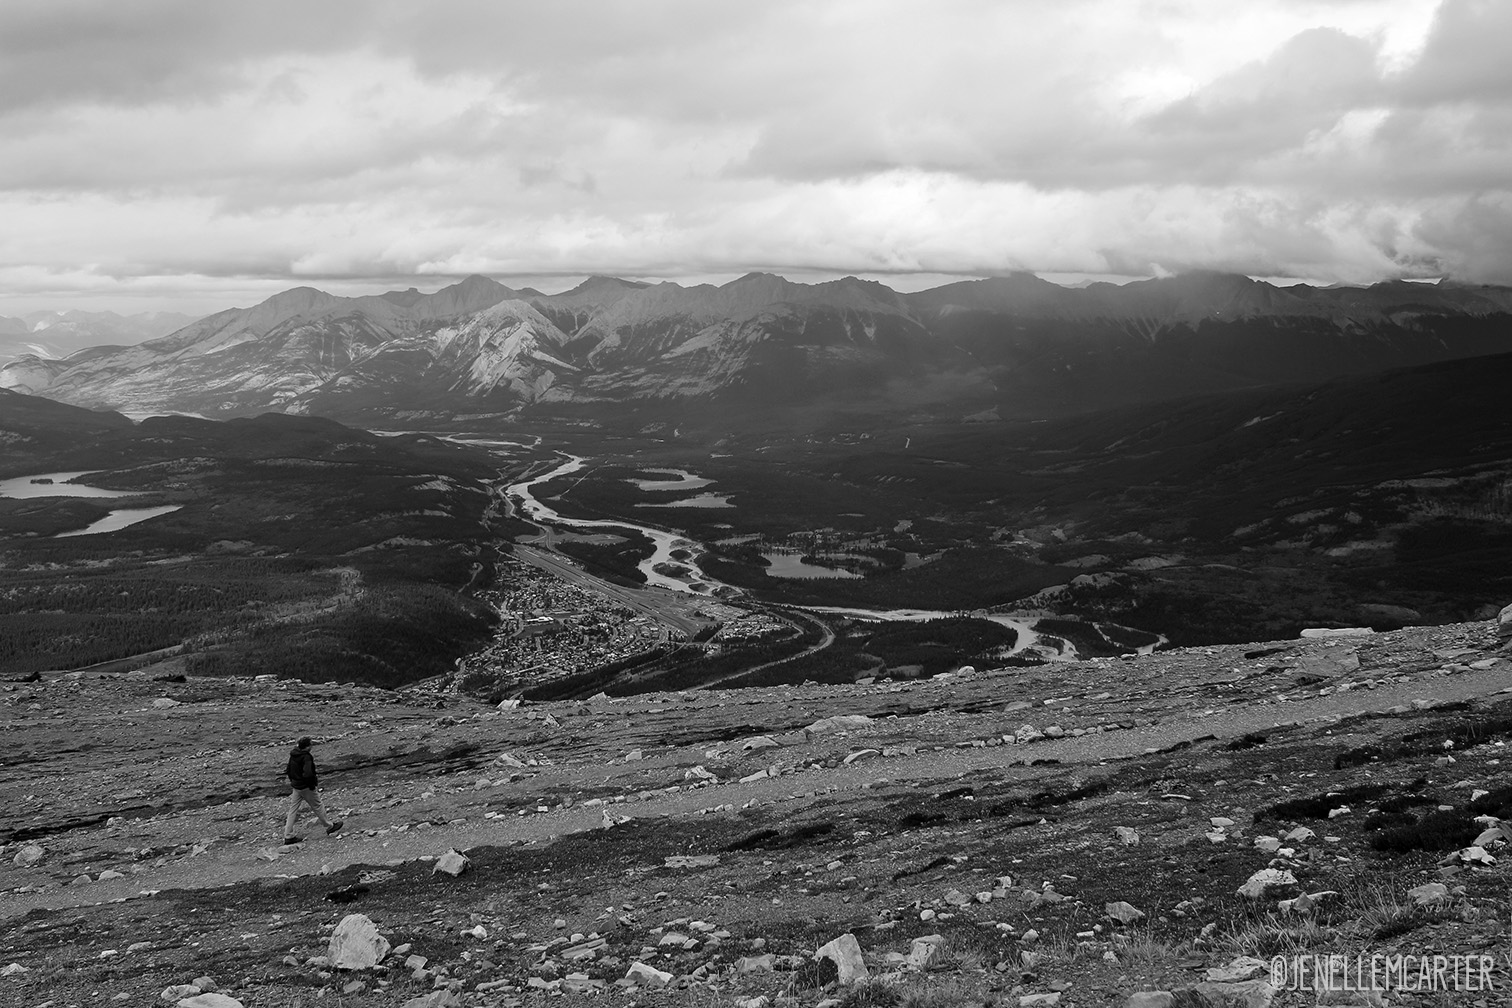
1141 950
771 839
1384 913
953 993
1270 935
871 994
1441 830
1455 737
1318 806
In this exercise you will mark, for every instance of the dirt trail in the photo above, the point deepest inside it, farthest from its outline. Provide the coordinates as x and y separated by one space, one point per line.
434 820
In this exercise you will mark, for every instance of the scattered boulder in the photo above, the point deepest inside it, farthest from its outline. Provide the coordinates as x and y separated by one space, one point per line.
1264 880
763 963
1124 913
162 703
1504 627
1429 895
1127 835
452 863
435 999
28 856
647 976
925 952
845 953
840 722
356 944
759 742
1305 902
510 704
209 1000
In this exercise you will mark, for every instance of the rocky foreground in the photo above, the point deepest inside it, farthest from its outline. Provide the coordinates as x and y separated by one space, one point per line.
1147 831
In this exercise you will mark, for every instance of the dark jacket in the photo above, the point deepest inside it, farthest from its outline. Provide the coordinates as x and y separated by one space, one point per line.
301 769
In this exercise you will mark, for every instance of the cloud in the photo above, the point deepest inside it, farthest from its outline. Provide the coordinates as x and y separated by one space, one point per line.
259 145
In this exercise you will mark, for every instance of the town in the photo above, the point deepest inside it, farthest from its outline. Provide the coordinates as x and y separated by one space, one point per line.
552 628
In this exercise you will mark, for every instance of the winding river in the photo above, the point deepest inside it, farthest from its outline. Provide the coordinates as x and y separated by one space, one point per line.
1027 639
664 543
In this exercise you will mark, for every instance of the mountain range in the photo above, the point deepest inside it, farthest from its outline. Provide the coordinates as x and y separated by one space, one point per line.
53 334
1012 346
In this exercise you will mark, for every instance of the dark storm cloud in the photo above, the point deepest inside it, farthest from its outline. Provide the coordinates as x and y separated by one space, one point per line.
1337 139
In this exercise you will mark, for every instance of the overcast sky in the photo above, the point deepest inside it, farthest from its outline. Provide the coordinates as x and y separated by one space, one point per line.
197 155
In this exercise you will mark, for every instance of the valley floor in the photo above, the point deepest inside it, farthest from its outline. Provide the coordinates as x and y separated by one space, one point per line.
981 807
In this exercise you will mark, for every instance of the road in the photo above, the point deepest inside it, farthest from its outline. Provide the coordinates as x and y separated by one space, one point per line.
826 638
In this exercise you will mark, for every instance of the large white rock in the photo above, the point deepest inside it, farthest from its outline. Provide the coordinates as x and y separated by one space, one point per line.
435 999
647 976
1124 913
1430 894
356 944
1504 625
209 1000
1264 880
840 722
28 856
845 953
451 863
925 951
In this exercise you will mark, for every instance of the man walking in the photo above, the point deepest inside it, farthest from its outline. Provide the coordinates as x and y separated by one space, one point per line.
301 774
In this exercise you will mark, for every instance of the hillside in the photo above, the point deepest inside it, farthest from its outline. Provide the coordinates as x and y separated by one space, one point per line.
1000 836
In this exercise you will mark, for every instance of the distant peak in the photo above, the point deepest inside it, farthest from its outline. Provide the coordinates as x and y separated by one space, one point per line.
296 296
403 298
601 282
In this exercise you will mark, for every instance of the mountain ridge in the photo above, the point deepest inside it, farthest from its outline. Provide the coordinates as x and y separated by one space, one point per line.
1018 344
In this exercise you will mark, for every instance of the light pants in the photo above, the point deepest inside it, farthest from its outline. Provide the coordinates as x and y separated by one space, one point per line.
309 797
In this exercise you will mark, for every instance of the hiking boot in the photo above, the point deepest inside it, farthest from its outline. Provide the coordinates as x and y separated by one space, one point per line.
335 827
293 839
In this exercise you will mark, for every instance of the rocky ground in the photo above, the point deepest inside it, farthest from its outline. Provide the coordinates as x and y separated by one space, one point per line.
1069 834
